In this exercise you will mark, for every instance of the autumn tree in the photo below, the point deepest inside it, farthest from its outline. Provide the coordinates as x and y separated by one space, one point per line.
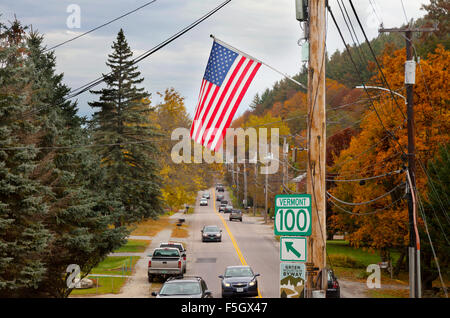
383 223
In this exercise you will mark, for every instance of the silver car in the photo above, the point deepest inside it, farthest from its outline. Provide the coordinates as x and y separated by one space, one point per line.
185 287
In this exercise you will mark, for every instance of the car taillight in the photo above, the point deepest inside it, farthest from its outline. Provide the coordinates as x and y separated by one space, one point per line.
150 263
184 258
179 264
335 285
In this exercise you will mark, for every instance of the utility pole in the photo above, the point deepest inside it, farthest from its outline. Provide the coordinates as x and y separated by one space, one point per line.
285 150
256 187
266 191
415 288
317 140
245 185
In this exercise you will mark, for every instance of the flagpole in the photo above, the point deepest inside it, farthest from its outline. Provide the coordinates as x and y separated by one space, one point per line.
259 61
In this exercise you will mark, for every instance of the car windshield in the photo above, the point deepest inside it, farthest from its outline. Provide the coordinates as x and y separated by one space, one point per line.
224 202
166 252
211 229
239 272
236 212
181 288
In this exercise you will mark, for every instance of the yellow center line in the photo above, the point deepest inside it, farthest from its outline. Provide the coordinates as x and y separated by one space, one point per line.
236 247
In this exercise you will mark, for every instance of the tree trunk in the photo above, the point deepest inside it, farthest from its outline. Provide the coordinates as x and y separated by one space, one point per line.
399 263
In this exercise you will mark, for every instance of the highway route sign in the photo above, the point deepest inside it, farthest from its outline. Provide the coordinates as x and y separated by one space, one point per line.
293 214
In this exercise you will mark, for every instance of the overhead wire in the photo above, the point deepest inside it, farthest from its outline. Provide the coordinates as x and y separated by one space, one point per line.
99 27
146 54
366 202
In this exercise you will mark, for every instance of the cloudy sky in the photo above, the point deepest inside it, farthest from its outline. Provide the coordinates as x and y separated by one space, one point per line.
265 29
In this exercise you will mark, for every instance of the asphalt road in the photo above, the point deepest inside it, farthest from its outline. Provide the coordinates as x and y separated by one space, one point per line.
249 242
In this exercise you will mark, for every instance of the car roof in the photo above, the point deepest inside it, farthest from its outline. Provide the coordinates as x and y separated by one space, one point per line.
238 266
184 279
171 243
211 226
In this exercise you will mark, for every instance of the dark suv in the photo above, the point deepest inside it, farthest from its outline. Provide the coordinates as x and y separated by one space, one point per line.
236 215
184 287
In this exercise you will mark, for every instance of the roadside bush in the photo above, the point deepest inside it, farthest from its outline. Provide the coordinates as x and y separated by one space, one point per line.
340 260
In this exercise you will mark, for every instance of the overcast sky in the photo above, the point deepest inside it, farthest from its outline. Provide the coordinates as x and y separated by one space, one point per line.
265 29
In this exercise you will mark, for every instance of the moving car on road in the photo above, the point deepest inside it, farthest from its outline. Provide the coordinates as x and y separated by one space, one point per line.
228 209
203 202
211 233
219 197
236 215
239 281
222 206
220 189
184 287
206 195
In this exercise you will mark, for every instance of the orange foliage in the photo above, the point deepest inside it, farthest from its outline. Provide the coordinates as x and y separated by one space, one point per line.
373 153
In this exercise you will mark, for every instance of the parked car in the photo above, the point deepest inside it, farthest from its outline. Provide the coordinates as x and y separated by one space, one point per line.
219 197
206 195
165 262
211 233
239 281
236 215
182 250
203 202
184 287
333 289
228 209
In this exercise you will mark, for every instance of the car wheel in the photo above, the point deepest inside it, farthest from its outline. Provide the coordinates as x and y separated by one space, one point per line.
150 279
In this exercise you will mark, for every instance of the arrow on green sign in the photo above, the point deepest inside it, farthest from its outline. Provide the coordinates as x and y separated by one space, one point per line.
290 248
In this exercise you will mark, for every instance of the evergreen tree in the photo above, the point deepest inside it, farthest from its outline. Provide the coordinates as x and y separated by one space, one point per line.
123 121
23 236
79 209
437 218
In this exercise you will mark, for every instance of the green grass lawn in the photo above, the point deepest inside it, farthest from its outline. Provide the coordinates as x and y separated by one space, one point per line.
361 255
133 246
112 265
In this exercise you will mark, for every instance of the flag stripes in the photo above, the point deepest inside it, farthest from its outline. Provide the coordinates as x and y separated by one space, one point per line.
219 101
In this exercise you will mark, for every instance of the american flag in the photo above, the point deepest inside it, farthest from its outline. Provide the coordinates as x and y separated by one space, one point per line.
227 78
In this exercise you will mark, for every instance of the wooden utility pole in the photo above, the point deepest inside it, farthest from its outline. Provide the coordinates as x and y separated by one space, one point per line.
245 185
414 240
317 140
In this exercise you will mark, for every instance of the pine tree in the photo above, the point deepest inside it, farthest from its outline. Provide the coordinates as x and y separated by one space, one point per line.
122 120
79 209
23 236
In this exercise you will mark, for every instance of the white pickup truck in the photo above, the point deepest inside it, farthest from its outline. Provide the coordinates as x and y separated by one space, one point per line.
165 262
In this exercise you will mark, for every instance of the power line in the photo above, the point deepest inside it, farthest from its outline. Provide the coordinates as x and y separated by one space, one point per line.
366 202
100 26
146 54
422 211
368 178
365 213
375 59
365 88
